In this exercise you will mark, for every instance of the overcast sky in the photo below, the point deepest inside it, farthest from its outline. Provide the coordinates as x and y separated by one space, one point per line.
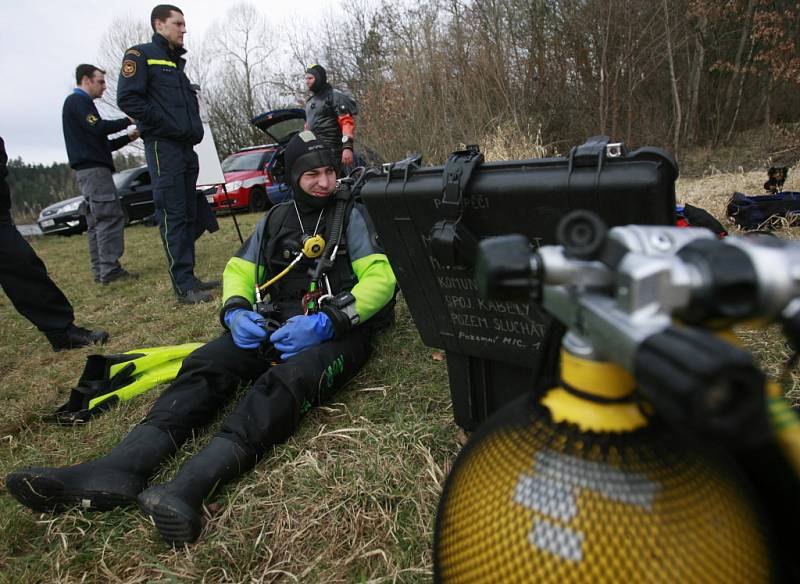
42 42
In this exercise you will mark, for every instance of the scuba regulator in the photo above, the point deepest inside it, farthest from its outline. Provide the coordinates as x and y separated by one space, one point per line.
619 291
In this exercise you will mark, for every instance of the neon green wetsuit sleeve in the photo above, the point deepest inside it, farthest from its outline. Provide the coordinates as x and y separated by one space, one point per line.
239 276
376 281
376 284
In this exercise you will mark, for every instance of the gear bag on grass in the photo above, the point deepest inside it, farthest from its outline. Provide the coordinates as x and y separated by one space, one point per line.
691 216
761 211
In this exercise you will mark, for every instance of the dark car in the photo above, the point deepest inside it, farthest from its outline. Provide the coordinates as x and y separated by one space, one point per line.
63 218
135 193
67 217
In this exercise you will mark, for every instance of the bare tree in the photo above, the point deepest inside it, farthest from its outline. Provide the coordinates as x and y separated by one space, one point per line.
122 34
242 50
529 75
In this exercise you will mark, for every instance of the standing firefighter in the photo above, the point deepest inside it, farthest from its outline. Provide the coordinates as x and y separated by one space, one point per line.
154 90
329 114
330 288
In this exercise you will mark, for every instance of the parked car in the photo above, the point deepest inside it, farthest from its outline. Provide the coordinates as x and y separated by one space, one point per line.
248 176
63 218
135 193
247 179
280 125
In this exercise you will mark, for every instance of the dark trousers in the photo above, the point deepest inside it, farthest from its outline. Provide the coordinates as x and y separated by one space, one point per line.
23 277
173 169
271 409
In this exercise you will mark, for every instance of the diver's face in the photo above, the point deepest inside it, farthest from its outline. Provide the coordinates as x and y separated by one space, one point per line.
319 182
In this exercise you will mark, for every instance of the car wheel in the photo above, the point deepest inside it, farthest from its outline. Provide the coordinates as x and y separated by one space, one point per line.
258 200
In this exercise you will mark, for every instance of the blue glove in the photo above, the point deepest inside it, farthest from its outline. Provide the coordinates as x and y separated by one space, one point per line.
247 333
301 332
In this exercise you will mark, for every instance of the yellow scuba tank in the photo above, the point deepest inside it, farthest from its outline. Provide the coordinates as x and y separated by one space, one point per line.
580 486
580 483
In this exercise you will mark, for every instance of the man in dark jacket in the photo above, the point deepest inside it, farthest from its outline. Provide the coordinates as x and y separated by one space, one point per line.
89 151
329 114
154 90
324 311
23 277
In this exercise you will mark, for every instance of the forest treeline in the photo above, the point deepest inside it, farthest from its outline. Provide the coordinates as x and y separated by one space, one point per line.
549 73
34 186
669 73
535 77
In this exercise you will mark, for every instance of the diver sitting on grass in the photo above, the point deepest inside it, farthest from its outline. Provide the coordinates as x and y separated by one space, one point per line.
326 307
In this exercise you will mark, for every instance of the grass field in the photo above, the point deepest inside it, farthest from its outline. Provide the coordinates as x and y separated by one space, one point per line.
350 498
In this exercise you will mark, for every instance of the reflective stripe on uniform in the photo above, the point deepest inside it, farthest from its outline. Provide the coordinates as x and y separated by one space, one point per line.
161 62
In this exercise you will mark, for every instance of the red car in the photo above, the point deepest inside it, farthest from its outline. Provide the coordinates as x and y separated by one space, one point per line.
246 180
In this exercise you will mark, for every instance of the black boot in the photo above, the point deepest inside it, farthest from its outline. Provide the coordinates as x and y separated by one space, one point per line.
110 481
175 507
74 337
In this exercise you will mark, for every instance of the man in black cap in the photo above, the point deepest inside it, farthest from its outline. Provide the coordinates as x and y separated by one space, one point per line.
322 286
23 277
329 114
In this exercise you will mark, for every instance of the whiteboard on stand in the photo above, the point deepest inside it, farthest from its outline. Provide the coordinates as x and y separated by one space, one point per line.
210 167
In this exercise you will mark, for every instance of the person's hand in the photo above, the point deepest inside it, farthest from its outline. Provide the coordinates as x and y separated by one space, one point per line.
131 119
133 134
245 328
301 332
347 157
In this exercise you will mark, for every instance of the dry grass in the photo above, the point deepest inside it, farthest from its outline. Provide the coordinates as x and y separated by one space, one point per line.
506 142
350 498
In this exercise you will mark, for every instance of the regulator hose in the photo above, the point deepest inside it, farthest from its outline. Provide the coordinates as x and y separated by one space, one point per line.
324 263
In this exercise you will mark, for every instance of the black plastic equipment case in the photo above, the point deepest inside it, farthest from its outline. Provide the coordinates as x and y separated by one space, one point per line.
429 220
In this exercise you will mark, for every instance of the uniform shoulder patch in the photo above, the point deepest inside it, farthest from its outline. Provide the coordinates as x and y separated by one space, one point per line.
128 68
92 119
133 52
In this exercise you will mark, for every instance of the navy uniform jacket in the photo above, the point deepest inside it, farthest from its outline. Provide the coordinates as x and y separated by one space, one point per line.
154 91
86 133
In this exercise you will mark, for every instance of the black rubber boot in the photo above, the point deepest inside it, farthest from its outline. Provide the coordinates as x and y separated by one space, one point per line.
113 480
176 507
75 337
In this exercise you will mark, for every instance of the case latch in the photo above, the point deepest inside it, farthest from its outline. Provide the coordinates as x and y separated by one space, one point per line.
451 242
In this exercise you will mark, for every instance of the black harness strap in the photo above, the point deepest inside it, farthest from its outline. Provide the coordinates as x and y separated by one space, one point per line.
597 398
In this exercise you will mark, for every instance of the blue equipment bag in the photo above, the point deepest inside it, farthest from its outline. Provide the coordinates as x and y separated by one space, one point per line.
761 211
